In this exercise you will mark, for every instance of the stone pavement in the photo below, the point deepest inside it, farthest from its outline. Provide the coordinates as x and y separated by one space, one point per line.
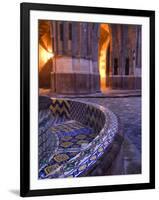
108 94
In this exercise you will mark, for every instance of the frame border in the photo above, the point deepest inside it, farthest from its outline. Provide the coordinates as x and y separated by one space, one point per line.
25 9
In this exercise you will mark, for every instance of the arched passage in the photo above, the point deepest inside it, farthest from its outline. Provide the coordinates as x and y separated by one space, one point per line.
45 54
104 54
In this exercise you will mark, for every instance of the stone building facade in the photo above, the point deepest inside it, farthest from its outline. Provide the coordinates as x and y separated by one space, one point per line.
82 57
125 57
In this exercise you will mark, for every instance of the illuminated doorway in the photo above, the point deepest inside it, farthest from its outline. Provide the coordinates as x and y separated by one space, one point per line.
104 45
45 54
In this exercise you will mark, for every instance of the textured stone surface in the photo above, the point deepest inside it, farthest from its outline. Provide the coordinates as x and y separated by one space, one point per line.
75 83
128 83
80 54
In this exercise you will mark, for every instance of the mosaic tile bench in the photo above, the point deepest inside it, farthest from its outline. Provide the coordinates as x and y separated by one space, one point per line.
72 136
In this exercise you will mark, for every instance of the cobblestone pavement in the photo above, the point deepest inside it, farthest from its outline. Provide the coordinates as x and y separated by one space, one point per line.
128 110
109 94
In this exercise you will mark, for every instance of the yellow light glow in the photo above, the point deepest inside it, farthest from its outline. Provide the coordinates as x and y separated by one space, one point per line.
104 41
44 56
102 64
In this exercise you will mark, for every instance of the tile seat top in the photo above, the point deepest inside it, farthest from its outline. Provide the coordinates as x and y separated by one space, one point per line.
71 138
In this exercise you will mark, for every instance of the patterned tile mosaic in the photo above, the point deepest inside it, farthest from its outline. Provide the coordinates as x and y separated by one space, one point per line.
72 136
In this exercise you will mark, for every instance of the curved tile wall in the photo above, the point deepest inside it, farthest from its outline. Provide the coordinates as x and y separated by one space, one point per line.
64 120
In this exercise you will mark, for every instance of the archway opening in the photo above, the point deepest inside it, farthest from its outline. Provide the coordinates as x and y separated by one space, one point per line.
46 54
104 45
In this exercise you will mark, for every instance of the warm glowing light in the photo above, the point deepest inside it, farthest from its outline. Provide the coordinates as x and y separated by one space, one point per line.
44 55
103 44
102 64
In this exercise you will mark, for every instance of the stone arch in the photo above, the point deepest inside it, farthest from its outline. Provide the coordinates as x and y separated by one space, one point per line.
45 54
105 40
